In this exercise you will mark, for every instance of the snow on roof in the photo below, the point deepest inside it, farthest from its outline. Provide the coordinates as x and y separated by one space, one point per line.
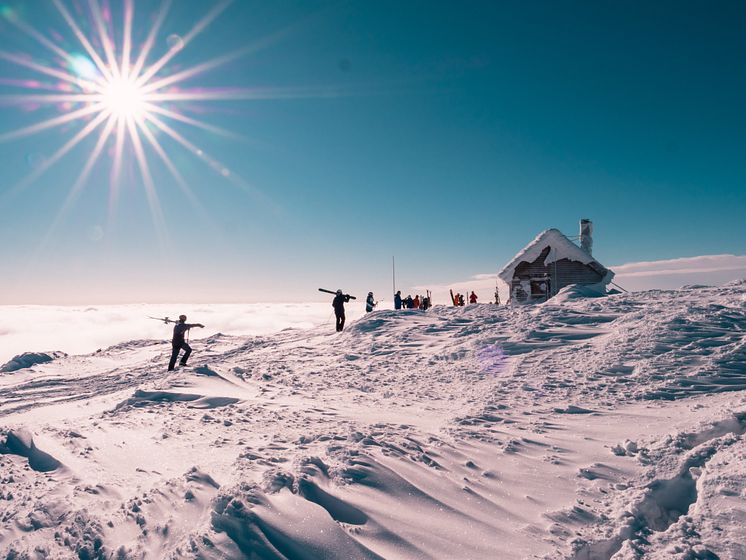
562 247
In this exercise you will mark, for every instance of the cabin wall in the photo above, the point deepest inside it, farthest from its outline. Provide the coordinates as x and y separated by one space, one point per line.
560 273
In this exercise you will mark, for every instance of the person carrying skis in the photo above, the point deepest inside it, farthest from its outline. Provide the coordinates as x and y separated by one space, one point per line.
339 308
397 300
473 297
178 343
370 303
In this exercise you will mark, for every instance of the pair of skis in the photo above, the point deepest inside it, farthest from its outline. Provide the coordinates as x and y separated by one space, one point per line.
335 293
166 320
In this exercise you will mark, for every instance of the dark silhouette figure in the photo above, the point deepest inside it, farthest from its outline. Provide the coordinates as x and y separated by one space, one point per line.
473 297
397 300
370 303
339 308
179 343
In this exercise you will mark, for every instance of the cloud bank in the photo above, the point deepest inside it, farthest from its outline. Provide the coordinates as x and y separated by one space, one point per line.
80 330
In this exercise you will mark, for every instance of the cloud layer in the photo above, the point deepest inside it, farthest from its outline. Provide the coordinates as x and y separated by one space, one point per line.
673 273
79 330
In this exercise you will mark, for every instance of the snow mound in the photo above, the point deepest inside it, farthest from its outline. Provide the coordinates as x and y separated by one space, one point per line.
29 359
145 398
578 291
21 442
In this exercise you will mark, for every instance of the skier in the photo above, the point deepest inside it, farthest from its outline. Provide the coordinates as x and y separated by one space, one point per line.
416 302
397 300
461 300
339 308
473 297
178 343
408 302
370 303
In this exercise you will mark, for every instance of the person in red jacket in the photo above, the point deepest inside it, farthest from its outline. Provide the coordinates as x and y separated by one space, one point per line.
416 302
473 297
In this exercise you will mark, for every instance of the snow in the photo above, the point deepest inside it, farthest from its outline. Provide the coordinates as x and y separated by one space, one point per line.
562 248
29 359
596 428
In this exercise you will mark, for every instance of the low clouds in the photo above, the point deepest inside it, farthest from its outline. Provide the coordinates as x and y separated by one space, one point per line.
705 264
674 273
79 330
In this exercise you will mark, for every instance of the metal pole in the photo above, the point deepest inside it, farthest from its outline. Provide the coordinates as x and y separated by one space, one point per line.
393 274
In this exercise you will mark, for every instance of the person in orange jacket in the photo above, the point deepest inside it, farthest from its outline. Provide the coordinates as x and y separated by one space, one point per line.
473 297
416 302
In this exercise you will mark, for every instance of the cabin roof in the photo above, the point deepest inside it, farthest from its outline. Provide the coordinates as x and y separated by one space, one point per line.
562 248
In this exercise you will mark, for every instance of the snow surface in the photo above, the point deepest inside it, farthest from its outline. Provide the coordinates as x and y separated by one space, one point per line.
595 428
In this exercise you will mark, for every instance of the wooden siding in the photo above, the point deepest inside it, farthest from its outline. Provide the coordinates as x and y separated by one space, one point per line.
561 273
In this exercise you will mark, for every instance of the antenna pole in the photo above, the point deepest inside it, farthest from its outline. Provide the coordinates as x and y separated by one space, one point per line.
393 273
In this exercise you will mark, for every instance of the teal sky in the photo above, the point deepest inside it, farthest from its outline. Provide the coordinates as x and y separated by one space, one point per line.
446 133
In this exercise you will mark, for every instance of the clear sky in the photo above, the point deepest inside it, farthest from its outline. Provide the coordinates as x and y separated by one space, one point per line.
446 133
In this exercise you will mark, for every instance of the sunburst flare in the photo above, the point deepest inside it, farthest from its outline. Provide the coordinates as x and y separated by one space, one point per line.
119 93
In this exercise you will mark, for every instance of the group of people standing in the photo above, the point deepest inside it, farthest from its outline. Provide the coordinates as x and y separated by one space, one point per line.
409 302
459 299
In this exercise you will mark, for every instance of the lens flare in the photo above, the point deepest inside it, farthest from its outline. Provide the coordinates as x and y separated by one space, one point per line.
113 91
124 99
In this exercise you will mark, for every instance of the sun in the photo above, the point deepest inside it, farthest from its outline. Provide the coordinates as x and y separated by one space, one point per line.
114 88
117 92
124 99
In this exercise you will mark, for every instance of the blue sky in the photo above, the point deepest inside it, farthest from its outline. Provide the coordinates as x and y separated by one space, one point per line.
447 134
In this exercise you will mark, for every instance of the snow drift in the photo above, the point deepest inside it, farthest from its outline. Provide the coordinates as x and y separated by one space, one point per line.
597 428
29 359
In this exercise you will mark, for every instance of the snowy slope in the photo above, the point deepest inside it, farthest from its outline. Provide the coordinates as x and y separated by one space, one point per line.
586 428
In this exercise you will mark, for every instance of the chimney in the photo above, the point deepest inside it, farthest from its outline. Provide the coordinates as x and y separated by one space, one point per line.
586 235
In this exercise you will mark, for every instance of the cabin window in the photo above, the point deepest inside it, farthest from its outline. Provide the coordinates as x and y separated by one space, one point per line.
540 288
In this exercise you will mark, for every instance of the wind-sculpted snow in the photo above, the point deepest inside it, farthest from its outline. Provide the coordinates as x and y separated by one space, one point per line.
21 443
586 429
29 359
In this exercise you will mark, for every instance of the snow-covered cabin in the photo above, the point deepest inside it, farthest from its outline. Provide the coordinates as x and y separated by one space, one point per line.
551 262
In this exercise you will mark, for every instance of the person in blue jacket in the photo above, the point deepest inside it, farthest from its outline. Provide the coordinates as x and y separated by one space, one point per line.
397 300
